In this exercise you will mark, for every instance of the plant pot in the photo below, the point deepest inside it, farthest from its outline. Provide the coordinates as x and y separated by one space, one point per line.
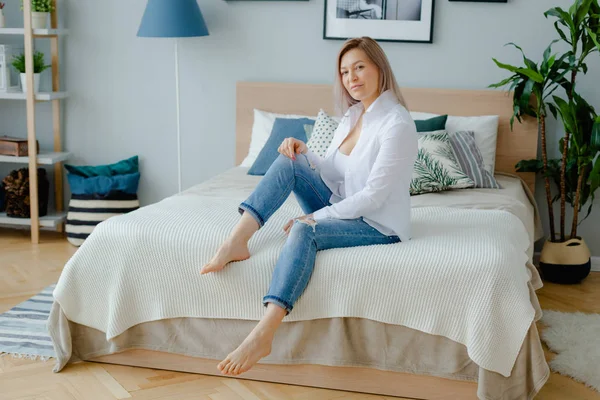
2 19
39 20
36 82
566 262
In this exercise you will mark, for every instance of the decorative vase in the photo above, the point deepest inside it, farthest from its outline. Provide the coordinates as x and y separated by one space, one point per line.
39 20
2 20
36 82
566 262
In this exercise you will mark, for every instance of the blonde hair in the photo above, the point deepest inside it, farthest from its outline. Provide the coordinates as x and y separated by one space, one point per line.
387 81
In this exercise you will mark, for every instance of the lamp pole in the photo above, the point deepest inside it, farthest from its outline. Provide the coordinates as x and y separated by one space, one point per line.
178 113
173 19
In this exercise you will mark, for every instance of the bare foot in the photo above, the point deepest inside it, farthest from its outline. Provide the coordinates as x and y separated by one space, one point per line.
256 346
229 251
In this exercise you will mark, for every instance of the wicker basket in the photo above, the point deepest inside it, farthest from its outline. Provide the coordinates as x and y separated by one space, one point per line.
17 193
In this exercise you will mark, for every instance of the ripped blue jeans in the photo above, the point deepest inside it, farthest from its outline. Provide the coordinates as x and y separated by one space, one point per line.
297 259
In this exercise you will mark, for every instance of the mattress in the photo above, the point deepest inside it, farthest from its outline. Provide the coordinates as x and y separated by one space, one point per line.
413 351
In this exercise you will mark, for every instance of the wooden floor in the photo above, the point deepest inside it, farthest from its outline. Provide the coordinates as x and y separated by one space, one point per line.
25 269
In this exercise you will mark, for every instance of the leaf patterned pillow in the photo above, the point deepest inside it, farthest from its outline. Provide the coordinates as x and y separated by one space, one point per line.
436 168
322 134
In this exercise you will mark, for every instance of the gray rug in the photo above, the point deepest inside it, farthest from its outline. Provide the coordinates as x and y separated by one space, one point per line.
23 330
575 337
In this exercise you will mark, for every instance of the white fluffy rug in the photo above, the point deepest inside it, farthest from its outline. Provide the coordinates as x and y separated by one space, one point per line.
575 337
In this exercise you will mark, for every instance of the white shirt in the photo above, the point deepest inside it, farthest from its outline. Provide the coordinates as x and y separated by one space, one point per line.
379 168
336 175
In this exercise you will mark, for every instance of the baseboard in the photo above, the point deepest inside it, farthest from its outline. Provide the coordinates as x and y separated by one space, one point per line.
596 264
595 261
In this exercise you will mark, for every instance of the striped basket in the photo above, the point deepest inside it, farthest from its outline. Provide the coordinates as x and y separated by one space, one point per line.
87 211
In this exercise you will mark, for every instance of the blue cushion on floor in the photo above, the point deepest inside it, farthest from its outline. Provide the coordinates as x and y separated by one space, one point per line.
282 128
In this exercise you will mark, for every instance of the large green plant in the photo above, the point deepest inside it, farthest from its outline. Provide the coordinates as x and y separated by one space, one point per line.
577 172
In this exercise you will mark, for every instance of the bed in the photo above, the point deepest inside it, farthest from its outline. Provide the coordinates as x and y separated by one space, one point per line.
131 312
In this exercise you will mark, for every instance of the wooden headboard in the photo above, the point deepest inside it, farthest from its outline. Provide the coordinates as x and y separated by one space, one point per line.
306 99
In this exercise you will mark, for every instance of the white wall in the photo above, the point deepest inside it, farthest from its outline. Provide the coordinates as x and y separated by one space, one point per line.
123 87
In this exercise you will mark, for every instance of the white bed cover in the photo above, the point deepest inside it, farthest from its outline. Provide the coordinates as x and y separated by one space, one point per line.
466 274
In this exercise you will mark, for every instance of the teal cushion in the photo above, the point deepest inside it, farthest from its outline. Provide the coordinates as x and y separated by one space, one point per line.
123 167
126 183
431 124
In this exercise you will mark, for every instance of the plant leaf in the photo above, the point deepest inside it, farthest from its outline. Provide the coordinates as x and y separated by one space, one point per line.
533 165
566 115
525 97
503 82
536 76
553 110
594 178
584 8
508 67
561 33
595 137
563 17
529 63
547 60
594 38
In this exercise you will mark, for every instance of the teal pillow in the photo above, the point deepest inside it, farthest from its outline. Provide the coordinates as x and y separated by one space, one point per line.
123 167
431 124
103 185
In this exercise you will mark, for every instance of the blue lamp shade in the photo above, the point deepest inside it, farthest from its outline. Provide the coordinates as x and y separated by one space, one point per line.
172 18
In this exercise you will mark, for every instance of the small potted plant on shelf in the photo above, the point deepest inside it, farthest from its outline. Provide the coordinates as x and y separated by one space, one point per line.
38 67
2 23
40 9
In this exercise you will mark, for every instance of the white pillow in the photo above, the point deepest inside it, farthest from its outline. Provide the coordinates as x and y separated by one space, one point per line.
484 127
322 134
261 130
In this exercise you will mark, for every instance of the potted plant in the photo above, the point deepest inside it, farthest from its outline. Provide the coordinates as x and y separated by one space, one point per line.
38 67
2 21
576 174
40 9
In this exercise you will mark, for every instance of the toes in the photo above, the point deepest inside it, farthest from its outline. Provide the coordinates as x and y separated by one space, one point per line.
245 367
230 368
223 364
237 369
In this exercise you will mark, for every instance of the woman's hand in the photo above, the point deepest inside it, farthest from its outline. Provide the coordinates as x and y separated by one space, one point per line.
305 218
290 146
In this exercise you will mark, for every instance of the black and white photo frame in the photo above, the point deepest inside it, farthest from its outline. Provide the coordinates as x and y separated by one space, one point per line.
382 20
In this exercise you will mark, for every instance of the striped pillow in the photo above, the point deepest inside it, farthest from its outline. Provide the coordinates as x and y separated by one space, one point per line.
470 159
88 210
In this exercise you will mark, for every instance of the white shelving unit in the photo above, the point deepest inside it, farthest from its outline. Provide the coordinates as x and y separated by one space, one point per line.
36 32
52 220
55 218
40 96
43 158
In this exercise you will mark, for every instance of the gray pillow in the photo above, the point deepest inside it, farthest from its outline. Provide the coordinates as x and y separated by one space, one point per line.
470 159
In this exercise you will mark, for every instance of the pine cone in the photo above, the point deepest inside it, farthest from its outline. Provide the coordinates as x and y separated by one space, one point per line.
17 192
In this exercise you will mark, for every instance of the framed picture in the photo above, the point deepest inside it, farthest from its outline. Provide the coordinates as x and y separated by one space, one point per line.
382 20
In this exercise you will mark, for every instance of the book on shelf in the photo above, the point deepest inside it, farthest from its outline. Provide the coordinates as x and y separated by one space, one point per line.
14 146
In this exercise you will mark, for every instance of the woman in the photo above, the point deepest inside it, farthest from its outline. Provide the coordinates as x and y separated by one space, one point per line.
357 195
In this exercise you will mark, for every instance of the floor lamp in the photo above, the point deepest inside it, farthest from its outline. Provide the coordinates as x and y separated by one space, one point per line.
173 19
